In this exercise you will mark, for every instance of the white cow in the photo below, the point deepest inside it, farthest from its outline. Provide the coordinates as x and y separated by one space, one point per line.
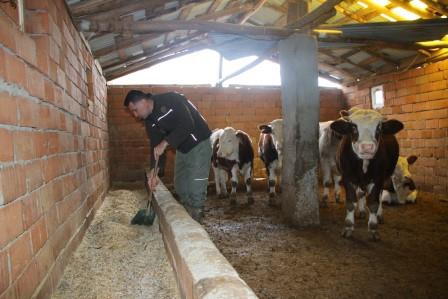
232 154
328 146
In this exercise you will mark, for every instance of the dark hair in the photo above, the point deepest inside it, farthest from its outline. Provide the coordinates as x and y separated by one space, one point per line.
134 96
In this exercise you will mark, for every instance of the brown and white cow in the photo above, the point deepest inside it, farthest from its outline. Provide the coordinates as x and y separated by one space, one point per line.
400 188
232 154
367 156
270 150
328 146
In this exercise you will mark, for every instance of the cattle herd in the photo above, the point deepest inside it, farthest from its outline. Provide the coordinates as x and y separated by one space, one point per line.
358 151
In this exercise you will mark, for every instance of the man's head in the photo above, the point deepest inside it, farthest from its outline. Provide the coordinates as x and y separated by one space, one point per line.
139 103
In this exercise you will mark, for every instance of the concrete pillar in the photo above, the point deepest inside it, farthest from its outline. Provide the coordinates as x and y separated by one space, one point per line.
300 97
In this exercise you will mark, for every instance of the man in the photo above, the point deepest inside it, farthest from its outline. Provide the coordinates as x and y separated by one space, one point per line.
171 119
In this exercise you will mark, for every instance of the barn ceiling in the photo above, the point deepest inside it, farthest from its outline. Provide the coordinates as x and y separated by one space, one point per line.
356 39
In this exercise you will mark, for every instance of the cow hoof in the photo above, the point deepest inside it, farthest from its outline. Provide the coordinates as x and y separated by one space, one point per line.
271 201
362 214
347 233
380 219
250 200
374 236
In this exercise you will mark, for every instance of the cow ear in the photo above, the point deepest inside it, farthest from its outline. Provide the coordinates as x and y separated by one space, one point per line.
392 126
265 129
341 126
411 159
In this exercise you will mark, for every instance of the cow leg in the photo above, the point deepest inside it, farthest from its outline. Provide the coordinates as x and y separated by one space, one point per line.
373 204
361 204
272 182
379 214
326 177
234 181
217 181
350 208
337 186
247 171
222 181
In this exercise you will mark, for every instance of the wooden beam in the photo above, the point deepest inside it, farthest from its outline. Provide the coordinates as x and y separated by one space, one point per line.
337 71
422 13
342 10
380 55
214 5
252 11
89 6
143 27
436 7
139 40
320 14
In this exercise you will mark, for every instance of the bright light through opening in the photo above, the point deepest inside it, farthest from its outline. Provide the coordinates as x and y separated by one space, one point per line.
202 68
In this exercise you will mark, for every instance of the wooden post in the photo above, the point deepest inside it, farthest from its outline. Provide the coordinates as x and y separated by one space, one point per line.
300 102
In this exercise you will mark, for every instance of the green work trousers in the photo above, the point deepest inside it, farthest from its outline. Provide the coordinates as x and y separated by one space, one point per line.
191 172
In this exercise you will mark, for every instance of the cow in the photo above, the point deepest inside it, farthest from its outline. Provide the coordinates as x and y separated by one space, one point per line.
366 158
328 146
232 154
270 151
400 188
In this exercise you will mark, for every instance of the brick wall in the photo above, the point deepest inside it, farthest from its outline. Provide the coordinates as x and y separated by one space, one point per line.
418 98
241 108
53 146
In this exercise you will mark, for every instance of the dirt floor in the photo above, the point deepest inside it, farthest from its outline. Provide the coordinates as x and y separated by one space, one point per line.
117 260
277 261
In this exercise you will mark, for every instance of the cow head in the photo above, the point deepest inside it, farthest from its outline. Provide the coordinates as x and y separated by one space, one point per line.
275 128
228 143
402 180
365 128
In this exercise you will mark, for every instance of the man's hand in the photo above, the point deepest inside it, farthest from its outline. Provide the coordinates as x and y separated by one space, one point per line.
159 149
153 180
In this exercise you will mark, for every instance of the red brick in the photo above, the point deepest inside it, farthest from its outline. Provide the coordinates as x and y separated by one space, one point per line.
42 56
24 147
7 146
12 184
35 83
39 234
20 254
31 209
50 194
2 64
52 168
15 70
26 47
8 111
28 113
34 178
7 34
37 22
28 282
44 260
36 4
11 224
4 271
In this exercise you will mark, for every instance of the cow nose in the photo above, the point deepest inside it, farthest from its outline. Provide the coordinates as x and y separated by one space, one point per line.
367 147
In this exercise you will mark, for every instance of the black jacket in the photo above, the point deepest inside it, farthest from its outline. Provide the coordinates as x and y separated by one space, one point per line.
175 119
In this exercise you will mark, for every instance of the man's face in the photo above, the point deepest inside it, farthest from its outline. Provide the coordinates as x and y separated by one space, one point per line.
140 109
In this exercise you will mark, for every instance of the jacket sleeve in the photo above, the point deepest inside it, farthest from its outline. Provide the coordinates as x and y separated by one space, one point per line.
155 137
180 118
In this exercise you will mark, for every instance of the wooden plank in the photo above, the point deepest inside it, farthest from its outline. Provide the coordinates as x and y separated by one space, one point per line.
300 105
252 11
326 9
144 27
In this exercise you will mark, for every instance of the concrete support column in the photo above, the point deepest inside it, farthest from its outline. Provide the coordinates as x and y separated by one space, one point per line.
300 98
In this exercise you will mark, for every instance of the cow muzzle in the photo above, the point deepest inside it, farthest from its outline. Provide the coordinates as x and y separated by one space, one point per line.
366 150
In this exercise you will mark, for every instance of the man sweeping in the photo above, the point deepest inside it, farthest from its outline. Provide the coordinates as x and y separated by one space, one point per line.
171 119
